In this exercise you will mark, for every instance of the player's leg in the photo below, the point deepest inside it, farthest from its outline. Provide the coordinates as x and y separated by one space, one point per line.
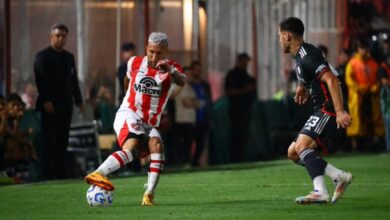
113 162
129 133
340 178
293 156
156 166
315 166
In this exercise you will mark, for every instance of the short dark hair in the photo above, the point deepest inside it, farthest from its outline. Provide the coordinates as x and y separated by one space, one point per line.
194 63
14 97
243 56
127 46
363 42
60 27
293 25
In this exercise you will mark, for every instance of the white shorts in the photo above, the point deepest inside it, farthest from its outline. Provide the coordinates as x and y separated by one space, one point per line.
126 121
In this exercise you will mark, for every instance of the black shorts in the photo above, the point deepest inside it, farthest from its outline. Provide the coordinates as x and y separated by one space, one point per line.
321 127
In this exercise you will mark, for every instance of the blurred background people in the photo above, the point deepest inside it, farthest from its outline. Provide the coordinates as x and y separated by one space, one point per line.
127 51
240 88
186 104
203 111
17 151
363 97
384 78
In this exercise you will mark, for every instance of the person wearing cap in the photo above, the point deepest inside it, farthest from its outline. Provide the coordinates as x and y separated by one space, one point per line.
363 95
240 88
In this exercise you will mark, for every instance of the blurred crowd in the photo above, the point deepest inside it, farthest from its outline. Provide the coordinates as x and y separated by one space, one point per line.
187 123
16 151
192 121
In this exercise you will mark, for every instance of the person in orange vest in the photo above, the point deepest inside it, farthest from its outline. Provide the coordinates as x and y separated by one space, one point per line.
363 96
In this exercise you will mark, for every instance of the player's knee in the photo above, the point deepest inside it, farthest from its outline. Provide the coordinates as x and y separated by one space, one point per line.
155 145
291 152
299 148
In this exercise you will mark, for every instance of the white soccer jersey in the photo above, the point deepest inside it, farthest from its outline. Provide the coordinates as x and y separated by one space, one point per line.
148 90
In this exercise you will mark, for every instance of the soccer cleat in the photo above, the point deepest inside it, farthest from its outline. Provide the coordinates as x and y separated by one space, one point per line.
341 184
148 200
313 198
98 179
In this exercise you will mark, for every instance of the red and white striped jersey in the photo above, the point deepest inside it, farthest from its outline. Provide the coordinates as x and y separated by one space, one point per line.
148 90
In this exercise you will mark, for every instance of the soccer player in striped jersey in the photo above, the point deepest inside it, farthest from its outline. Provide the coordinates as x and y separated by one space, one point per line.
150 81
317 82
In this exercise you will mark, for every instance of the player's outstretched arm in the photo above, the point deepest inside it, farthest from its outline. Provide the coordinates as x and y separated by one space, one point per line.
343 119
178 78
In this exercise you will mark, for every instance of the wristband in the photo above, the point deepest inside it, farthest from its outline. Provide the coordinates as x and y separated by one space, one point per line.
173 70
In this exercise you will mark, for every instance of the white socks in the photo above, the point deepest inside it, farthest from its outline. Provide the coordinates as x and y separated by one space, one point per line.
155 168
319 185
115 161
332 172
319 181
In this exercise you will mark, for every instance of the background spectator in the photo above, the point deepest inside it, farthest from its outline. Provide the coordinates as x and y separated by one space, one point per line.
240 88
203 111
363 97
127 51
57 83
185 118
18 150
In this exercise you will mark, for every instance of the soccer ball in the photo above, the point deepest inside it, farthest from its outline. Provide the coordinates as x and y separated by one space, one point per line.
97 196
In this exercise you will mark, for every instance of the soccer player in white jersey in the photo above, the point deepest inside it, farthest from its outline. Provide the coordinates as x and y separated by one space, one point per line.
149 82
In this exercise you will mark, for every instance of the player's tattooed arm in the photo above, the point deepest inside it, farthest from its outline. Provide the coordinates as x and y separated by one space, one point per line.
178 78
343 119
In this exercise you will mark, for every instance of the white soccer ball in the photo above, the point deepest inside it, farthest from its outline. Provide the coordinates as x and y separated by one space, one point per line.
97 196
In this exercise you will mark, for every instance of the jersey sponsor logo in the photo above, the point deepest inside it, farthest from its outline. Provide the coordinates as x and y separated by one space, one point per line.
147 85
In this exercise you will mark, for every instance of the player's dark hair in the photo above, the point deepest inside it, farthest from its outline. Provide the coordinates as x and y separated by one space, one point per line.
194 63
293 25
127 46
60 27
323 48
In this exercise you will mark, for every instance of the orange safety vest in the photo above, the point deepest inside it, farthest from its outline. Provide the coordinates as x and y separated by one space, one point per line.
364 72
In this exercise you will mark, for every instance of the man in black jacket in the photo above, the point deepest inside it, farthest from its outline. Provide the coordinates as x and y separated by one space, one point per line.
240 88
57 82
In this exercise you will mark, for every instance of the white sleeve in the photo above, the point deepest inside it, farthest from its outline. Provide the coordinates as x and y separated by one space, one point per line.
129 64
334 71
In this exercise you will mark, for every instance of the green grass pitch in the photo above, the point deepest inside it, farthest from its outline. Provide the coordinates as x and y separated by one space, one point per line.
264 190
